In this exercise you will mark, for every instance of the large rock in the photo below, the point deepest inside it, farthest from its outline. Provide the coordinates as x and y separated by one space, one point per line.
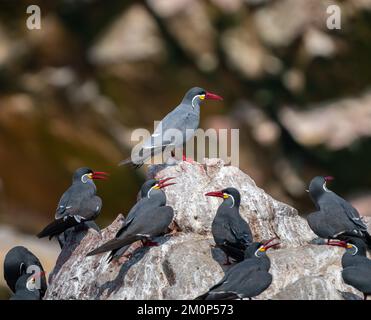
186 264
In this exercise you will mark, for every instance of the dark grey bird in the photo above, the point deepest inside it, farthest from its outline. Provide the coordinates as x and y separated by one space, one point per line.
18 261
335 217
175 129
27 287
231 232
78 204
246 279
356 266
149 218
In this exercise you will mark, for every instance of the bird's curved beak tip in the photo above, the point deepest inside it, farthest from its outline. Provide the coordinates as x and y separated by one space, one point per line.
212 96
218 194
100 175
162 183
270 244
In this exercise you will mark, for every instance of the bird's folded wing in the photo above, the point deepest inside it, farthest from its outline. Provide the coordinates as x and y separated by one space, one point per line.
114 244
353 215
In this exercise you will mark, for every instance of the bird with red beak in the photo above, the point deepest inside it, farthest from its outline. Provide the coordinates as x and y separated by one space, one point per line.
246 279
335 217
356 266
78 205
149 218
175 129
231 232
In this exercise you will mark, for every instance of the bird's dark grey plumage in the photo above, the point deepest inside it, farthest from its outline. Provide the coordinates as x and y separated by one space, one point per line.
18 261
78 204
184 119
231 232
335 217
246 279
149 218
356 266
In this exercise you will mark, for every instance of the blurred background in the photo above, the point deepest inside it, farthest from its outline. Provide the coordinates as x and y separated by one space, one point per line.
72 92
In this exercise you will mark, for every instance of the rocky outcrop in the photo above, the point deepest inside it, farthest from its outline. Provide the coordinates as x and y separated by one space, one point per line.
186 264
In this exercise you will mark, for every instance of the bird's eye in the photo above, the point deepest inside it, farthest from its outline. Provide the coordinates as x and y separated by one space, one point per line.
225 195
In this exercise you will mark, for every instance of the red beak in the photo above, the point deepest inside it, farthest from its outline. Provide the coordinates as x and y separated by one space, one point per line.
162 183
268 244
329 178
337 243
212 96
218 194
100 175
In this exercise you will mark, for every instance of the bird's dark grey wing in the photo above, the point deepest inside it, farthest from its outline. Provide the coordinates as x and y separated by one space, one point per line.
147 224
240 229
358 277
241 283
81 204
353 214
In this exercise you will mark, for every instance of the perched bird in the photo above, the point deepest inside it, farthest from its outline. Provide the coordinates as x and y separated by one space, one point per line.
26 287
175 129
149 218
335 217
246 279
78 204
19 261
231 232
356 266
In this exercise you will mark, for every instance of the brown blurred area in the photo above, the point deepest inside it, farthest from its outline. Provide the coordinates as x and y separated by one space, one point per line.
72 92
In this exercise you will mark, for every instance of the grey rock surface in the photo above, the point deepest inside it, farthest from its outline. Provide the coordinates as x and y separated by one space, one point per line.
186 264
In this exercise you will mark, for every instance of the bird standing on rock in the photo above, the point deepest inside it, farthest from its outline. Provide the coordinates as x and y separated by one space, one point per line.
336 218
175 129
18 261
149 218
231 232
356 266
246 279
78 204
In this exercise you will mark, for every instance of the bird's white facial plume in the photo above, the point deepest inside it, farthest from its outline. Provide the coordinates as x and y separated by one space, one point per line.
197 99
229 196
85 178
325 187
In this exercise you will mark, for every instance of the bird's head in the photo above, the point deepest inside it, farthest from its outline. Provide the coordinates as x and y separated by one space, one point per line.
155 186
231 196
85 175
196 95
318 185
353 246
259 249
30 282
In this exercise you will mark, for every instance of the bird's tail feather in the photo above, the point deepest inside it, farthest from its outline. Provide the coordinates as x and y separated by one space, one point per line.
57 227
113 244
